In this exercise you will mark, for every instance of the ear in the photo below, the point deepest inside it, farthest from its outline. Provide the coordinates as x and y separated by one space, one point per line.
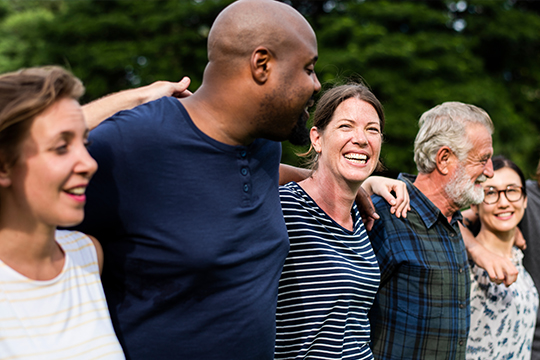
315 138
261 64
444 160
525 202
5 175
474 208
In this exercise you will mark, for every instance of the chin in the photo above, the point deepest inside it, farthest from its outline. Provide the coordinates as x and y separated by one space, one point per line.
72 220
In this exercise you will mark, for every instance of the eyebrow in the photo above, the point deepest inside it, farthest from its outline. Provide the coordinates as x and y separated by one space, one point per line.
505 186
67 135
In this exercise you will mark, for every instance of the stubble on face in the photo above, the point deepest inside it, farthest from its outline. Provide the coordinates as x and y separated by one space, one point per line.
461 188
300 133
277 114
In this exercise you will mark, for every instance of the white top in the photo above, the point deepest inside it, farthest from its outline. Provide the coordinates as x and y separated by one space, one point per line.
502 318
63 318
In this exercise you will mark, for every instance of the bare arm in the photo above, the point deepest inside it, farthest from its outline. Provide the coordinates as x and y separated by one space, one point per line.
499 268
288 173
99 110
382 186
378 185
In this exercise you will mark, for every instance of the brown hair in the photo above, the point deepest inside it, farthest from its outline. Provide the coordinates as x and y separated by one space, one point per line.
327 105
25 94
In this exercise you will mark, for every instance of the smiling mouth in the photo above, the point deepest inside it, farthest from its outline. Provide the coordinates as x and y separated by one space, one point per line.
77 191
504 215
356 158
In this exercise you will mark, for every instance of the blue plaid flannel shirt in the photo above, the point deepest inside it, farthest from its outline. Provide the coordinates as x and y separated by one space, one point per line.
422 308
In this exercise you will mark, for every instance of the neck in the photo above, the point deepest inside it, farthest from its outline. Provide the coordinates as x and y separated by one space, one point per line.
433 187
500 243
219 117
29 247
333 197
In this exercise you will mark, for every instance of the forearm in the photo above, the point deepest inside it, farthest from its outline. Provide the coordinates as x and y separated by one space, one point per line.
288 173
101 109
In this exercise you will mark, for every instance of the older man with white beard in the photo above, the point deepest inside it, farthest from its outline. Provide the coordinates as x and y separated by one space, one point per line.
422 308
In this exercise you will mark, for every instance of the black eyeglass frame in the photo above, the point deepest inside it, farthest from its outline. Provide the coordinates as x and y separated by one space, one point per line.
505 191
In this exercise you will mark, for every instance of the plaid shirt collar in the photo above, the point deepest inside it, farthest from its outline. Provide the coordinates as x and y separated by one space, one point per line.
426 209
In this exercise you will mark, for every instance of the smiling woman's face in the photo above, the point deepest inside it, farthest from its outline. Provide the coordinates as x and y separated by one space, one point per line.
504 215
49 178
350 145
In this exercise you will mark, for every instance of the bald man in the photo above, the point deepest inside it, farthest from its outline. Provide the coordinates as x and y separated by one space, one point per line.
185 201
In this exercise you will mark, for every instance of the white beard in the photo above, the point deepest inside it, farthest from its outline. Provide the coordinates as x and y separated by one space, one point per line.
462 190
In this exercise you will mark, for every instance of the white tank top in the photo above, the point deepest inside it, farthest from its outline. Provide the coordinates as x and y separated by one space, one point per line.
63 318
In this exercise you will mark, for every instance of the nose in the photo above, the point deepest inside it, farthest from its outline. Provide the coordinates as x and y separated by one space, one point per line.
316 83
503 200
360 137
488 169
86 165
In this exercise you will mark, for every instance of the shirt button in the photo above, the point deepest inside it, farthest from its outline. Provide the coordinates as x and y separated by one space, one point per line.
243 153
244 171
460 342
460 270
452 235
461 306
246 187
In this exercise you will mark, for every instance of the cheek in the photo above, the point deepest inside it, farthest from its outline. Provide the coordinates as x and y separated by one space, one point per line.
376 144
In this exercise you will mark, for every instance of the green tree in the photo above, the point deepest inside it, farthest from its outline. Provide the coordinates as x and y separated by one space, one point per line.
413 54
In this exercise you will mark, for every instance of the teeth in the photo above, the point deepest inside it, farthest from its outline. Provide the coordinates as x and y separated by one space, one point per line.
356 157
77 191
504 214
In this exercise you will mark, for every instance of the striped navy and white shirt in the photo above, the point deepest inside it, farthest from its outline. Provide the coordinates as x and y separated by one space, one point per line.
327 286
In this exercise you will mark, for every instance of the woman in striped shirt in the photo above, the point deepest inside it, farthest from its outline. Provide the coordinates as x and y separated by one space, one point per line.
331 275
52 304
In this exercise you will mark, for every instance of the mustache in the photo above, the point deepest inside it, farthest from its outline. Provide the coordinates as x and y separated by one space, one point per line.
311 101
482 178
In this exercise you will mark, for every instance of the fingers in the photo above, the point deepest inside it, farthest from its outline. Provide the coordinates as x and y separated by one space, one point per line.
510 279
180 88
496 275
519 240
368 223
402 200
503 272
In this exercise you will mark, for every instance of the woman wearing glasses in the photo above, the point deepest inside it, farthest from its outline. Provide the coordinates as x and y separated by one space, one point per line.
502 318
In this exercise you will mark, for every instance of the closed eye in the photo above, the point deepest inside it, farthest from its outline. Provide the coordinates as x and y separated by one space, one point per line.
61 149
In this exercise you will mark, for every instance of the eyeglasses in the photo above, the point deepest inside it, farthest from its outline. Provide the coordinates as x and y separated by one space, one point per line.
512 193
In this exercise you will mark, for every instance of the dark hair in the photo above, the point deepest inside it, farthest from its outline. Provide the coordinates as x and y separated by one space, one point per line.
25 94
328 103
500 162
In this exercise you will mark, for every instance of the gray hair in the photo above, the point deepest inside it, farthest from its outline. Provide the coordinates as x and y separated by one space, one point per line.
446 125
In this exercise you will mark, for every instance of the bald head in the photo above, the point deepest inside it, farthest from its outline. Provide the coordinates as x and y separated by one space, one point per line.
260 76
247 24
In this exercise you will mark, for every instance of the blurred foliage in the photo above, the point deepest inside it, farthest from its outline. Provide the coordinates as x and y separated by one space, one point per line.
412 54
